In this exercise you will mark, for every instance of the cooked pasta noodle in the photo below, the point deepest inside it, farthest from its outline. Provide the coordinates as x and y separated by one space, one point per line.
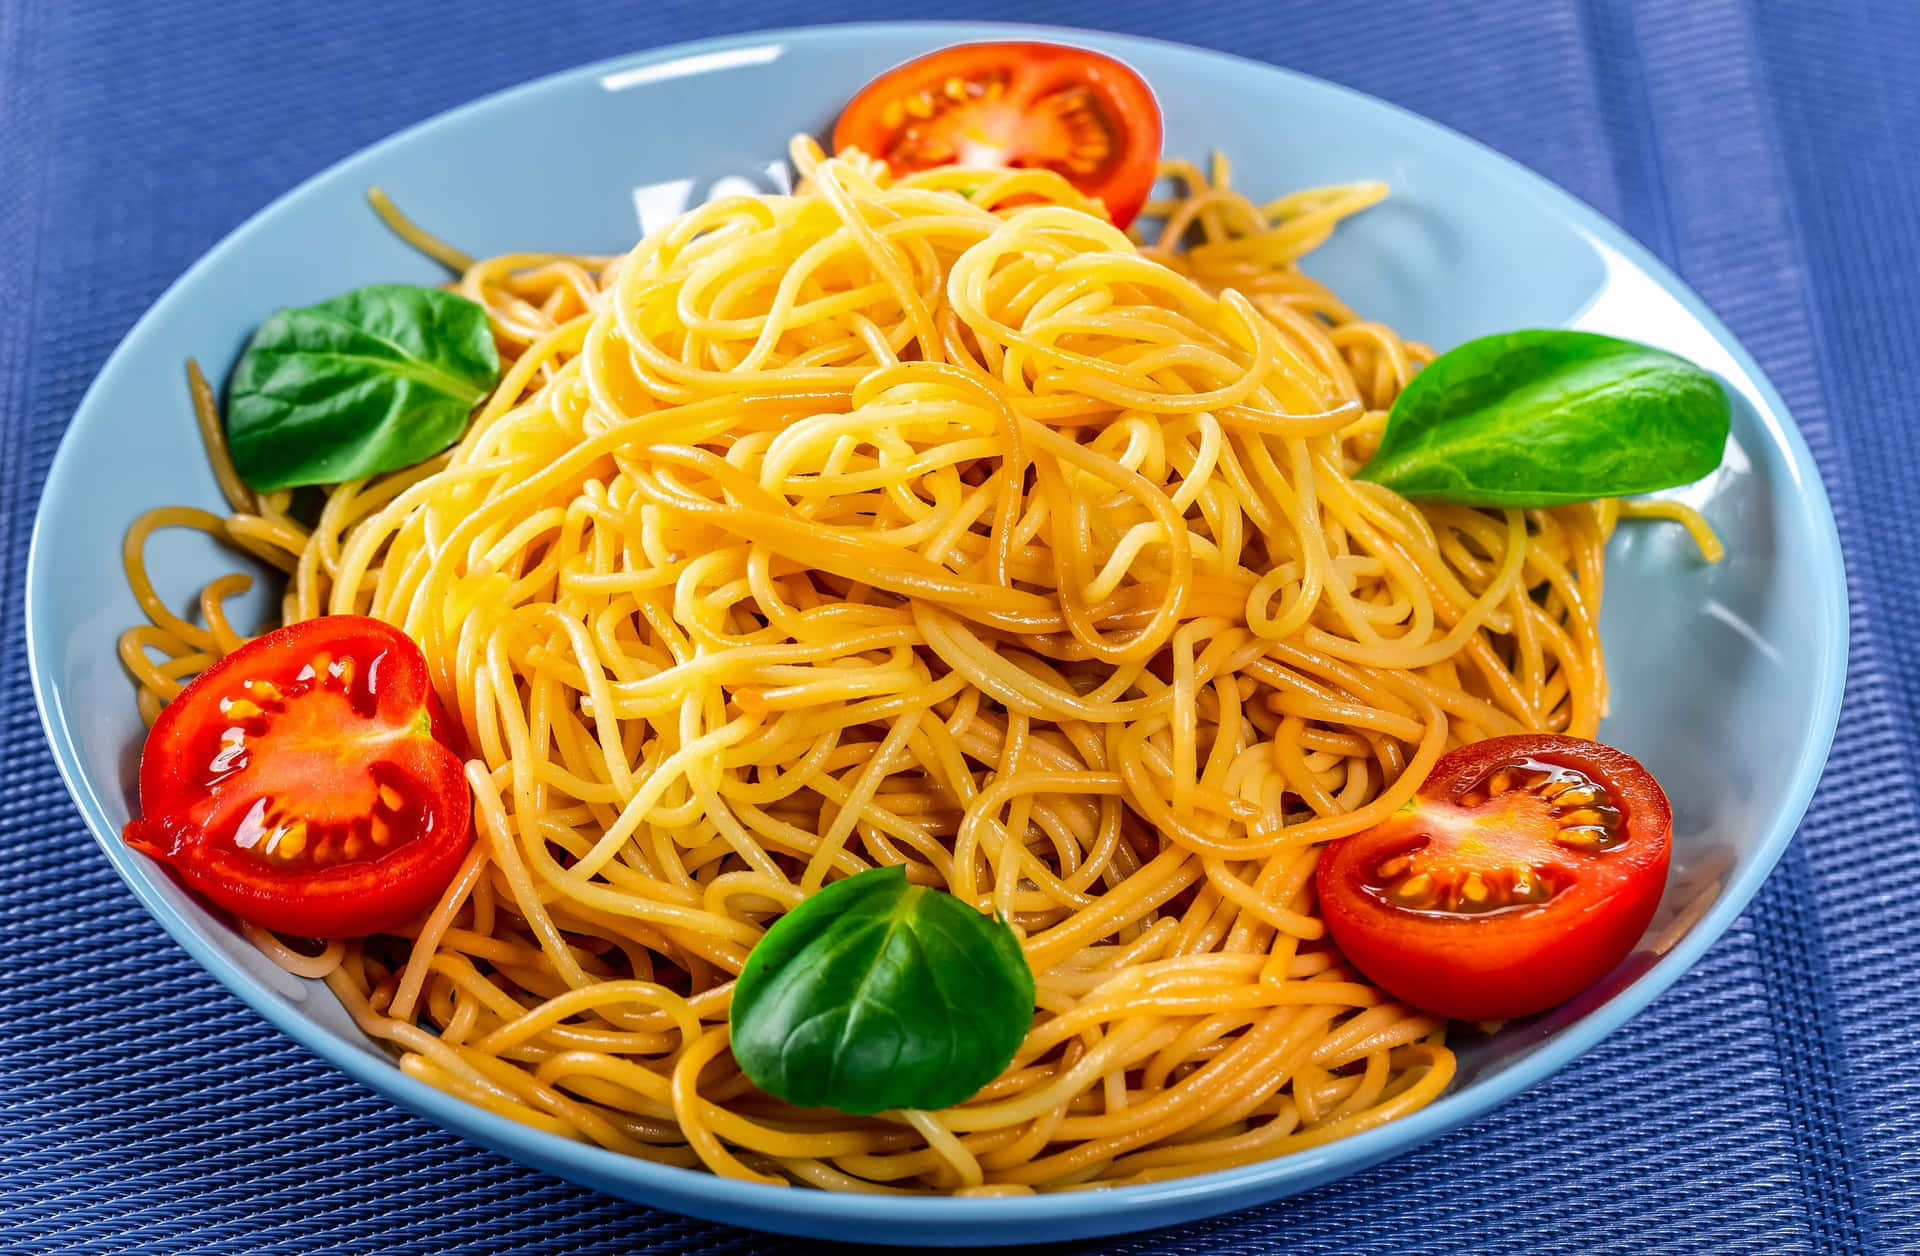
880 524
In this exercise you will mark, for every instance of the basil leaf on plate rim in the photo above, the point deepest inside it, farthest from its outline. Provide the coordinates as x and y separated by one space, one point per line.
1543 418
875 993
377 379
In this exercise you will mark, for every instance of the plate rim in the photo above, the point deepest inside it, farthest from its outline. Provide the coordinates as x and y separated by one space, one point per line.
986 1220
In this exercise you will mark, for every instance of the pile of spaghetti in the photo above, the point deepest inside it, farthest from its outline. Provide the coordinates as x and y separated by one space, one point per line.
931 522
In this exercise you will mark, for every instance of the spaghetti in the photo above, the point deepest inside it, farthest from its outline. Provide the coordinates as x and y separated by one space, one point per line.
878 524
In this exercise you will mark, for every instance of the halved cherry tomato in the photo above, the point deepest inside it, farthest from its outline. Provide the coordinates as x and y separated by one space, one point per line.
1084 115
304 782
1523 870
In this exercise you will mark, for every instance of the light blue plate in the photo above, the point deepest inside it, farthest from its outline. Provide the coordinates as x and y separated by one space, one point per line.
1726 679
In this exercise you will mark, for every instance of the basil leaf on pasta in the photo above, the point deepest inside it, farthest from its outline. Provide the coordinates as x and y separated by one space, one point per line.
1542 418
374 380
875 993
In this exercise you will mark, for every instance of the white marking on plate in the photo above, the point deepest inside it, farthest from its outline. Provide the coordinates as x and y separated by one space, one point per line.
1718 610
699 63
657 204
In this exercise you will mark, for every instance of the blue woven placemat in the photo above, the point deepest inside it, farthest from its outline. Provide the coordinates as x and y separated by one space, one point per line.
1769 1103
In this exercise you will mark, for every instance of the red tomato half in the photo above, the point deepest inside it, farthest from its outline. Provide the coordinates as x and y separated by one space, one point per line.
1521 873
1083 115
304 784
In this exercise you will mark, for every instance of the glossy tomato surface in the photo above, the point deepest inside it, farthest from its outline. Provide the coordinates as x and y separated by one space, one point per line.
304 782
1084 115
1523 870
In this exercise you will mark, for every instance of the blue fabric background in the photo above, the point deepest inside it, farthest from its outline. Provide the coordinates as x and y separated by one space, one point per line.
1766 150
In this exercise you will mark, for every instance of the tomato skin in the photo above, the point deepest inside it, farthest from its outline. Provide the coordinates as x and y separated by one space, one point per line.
1019 122
303 783
1515 960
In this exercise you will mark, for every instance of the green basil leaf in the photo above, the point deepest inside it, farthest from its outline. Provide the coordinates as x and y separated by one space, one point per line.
874 993
1541 418
375 380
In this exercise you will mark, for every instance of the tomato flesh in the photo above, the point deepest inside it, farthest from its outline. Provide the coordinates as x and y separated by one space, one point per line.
1523 870
1085 116
304 782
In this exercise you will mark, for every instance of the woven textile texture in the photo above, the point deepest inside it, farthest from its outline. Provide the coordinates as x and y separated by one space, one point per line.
1766 150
